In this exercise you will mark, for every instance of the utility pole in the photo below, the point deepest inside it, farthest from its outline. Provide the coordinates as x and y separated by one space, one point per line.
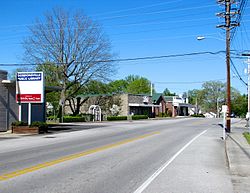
228 25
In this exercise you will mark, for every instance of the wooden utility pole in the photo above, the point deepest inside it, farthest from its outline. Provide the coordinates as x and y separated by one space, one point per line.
228 25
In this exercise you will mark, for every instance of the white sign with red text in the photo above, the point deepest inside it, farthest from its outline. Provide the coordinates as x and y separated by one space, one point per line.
29 87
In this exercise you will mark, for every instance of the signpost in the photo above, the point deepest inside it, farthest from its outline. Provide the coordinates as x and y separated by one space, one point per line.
224 115
29 89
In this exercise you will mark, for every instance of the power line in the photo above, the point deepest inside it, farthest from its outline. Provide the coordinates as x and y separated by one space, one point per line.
125 59
137 14
238 17
160 12
192 82
238 75
137 8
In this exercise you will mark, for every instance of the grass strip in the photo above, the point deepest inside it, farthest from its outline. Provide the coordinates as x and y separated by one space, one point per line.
247 136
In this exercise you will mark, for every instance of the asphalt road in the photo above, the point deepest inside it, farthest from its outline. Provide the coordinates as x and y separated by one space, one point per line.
108 158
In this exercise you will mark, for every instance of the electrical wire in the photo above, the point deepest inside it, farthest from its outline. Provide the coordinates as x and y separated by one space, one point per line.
238 75
125 59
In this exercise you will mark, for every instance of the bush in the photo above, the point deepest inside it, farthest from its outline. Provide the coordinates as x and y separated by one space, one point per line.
19 123
198 115
138 117
122 118
43 127
117 118
88 117
168 114
162 115
68 119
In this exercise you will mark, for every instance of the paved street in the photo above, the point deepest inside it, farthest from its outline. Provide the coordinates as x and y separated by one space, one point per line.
174 155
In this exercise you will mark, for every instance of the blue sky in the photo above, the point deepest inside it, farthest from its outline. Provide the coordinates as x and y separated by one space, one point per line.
140 28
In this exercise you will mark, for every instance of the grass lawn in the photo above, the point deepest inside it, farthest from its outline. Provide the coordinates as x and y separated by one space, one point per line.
247 136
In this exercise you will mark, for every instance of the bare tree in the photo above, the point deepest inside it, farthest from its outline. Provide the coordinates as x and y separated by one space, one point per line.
75 46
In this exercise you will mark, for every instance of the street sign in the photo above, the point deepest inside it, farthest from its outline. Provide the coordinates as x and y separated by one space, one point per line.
29 87
224 108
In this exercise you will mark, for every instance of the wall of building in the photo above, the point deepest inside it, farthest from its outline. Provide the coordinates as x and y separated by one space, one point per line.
8 106
124 105
3 101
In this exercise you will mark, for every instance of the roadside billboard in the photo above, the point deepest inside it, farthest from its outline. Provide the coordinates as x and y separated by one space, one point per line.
30 87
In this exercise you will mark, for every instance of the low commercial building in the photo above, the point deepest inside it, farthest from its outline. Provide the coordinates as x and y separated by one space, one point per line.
126 104
179 106
134 104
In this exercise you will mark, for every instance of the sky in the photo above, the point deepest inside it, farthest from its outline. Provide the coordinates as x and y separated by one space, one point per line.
144 28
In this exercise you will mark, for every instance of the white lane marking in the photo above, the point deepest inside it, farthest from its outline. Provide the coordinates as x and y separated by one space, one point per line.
157 173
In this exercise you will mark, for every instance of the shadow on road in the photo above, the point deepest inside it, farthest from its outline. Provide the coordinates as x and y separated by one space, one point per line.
56 128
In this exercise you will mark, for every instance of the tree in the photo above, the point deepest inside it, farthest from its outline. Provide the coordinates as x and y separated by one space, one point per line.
133 84
195 97
167 92
73 46
138 85
239 105
214 94
118 86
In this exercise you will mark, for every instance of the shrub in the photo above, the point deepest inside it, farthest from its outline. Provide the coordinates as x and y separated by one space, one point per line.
121 118
88 117
168 114
68 119
138 117
117 118
198 115
43 127
19 123
160 115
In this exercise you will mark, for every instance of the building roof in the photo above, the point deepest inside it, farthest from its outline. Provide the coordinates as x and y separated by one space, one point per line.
156 96
168 98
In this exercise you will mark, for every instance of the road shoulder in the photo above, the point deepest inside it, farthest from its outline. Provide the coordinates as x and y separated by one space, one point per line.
238 152
202 167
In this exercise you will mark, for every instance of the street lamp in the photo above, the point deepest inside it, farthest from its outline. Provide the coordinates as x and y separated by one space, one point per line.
228 120
208 37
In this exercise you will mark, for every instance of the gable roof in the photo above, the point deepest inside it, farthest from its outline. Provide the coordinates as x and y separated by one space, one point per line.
168 98
157 98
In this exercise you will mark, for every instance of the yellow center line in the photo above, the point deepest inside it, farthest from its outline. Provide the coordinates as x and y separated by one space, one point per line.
71 157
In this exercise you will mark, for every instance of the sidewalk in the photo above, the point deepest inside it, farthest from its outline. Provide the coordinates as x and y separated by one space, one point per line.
238 153
201 168
9 135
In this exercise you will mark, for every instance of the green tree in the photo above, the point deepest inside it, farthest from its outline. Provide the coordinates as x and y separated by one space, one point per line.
214 94
118 86
239 105
139 85
133 84
167 92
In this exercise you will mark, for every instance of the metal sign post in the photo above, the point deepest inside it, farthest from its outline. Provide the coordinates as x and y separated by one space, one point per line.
224 115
